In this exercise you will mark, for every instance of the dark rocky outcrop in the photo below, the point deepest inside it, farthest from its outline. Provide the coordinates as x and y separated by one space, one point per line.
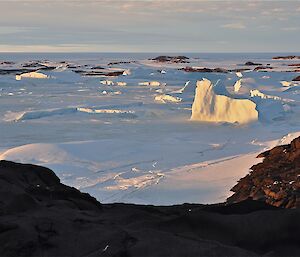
294 65
297 78
97 68
239 70
275 181
120 62
41 217
6 63
259 68
252 64
205 70
171 59
97 73
289 57
15 71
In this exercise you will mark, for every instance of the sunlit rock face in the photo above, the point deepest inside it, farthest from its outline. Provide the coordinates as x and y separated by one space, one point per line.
275 180
210 107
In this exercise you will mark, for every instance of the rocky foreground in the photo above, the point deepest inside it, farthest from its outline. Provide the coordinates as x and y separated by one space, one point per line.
39 216
275 181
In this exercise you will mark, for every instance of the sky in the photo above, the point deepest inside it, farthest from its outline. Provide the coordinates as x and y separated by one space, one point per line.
149 26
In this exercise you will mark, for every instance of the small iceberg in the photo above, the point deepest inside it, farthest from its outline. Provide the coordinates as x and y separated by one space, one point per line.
239 74
151 83
121 84
32 75
107 82
237 86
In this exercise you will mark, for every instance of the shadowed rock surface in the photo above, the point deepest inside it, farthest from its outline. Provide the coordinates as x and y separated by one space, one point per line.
252 63
261 68
275 181
297 78
42 217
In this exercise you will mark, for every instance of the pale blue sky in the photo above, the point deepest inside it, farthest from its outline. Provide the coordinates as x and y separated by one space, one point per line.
149 26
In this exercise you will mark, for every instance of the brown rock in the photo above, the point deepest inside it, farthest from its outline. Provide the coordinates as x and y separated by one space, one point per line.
297 78
276 180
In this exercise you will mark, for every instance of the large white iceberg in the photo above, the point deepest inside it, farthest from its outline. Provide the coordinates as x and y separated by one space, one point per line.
32 75
210 107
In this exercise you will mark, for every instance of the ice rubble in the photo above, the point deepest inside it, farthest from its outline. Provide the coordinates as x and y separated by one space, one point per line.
107 82
289 83
167 98
257 93
32 75
210 107
151 83
181 90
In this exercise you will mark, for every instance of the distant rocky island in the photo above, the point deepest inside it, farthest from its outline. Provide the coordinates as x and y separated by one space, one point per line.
171 59
288 57
40 216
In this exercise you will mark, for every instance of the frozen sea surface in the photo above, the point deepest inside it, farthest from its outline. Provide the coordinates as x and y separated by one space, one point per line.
120 145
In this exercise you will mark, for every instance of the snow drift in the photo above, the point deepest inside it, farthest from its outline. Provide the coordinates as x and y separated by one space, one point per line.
210 107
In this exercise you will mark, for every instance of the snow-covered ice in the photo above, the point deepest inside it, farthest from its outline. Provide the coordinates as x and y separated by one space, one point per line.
120 144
